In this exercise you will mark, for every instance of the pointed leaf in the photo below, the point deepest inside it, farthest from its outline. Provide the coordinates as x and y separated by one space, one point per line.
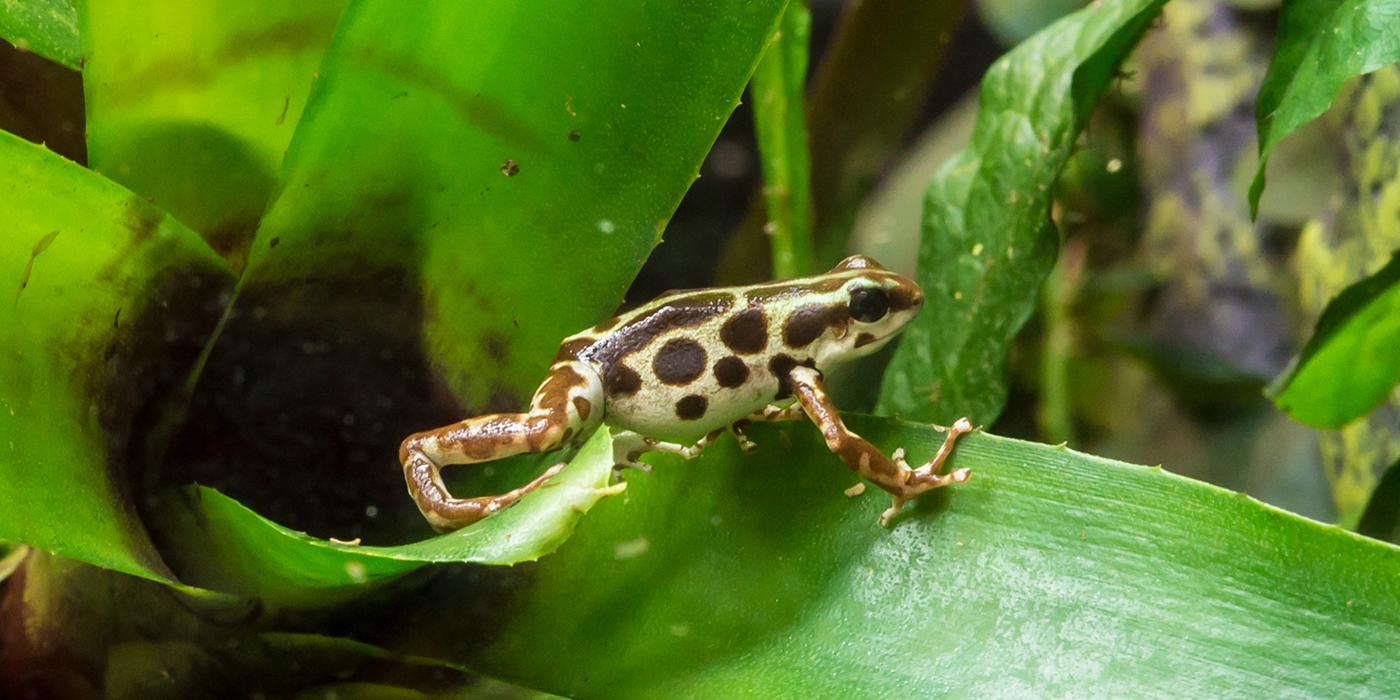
1320 45
988 242
1352 361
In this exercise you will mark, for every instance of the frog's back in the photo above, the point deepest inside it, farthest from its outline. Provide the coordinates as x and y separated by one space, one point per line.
690 362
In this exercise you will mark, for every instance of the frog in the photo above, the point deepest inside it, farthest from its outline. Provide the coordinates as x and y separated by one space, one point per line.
677 373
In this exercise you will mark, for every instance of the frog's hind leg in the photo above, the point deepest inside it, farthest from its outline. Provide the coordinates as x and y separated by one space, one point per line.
568 405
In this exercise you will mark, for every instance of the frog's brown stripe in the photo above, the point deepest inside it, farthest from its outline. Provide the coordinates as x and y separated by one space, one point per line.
638 333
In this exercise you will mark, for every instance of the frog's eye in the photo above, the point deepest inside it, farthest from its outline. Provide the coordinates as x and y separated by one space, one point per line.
869 304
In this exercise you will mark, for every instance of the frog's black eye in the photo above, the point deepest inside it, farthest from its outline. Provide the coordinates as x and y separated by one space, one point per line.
869 304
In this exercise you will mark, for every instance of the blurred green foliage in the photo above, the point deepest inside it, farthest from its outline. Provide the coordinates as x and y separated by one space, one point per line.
304 231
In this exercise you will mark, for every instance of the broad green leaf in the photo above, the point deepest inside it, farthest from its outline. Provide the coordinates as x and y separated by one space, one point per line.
1049 573
1320 45
521 187
780 120
988 242
1381 519
193 102
108 302
46 27
1351 362
215 542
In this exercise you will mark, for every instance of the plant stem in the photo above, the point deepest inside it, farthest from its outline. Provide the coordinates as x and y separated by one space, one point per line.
781 123
1054 415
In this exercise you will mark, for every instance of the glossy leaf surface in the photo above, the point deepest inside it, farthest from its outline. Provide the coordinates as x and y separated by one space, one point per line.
215 542
734 575
108 301
988 242
46 27
193 102
1352 361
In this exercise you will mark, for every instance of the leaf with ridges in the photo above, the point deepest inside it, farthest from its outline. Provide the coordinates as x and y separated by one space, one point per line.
1049 573
988 242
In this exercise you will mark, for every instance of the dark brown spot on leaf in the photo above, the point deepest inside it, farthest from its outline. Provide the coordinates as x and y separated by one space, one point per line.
679 362
691 407
731 372
510 168
746 332
574 136
621 381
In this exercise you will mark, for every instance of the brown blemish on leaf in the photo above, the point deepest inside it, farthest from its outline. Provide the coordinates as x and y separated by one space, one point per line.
39 247
510 168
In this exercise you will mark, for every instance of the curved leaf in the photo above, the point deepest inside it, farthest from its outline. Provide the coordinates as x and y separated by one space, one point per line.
215 542
1320 45
108 302
1049 573
988 242
504 170
456 201
1350 364
46 27
193 102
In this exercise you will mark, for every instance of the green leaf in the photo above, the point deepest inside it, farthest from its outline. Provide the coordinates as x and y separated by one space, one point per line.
1050 573
46 27
988 242
1320 45
193 102
1350 363
215 542
522 188
108 303
1381 519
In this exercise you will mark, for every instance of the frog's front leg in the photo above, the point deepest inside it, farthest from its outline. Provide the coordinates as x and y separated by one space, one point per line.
568 405
893 475
771 413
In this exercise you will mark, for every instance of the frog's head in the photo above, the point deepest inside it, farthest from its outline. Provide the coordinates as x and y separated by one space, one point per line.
870 306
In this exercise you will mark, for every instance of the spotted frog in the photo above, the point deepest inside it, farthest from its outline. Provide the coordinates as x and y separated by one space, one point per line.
677 373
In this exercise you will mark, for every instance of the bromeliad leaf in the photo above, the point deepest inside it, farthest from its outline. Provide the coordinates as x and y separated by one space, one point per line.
46 27
1350 364
988 242
109 301
216 542
736 574
514 194
193 102
1320 45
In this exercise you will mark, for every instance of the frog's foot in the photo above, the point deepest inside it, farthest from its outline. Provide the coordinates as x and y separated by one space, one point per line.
926 476
737 430
446 513
628 448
